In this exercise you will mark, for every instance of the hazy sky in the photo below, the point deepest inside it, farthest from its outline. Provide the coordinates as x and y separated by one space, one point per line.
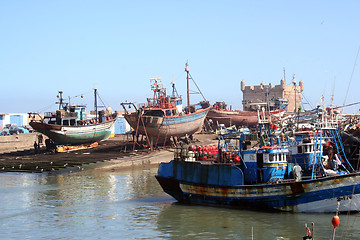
46 46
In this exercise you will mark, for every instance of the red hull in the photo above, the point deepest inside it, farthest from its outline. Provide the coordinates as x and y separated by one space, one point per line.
237 118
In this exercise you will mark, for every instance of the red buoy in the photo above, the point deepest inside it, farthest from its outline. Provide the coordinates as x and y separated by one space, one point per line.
192 148
335 221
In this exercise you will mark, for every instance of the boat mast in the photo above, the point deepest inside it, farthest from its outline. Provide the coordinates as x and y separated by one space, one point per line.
61 99
187 80
95 103
294 82
174 91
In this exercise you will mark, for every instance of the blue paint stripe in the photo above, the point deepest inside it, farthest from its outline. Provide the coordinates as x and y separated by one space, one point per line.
184 118
280 200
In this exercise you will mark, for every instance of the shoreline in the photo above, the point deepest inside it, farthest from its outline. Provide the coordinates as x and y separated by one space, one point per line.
109 155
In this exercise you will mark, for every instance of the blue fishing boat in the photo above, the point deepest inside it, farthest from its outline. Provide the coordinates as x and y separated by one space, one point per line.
266 177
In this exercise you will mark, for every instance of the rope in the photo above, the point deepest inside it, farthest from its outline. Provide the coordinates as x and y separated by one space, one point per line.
45 108
101 100
197 87
308 102
352 74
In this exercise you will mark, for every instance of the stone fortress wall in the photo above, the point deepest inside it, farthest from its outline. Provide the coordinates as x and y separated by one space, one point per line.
257 95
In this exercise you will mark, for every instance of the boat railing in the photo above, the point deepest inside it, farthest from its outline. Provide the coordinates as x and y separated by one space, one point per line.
34 117
160 103
49 114
127 106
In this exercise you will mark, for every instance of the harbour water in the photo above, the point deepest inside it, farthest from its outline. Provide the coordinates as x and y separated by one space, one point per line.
129 204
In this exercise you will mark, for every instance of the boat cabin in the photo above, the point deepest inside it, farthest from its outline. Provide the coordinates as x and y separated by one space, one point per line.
302 150
65 117
264 165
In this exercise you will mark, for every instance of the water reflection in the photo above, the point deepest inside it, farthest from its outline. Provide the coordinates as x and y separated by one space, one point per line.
131 205
199 222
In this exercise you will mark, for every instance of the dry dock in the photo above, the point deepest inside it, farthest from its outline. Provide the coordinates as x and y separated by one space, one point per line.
108 155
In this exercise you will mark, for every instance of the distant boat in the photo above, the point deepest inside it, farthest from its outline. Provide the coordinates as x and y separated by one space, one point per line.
68 126
164 116
237 117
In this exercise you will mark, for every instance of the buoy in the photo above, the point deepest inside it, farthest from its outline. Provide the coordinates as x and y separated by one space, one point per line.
205 156
335 221
192 148
201 155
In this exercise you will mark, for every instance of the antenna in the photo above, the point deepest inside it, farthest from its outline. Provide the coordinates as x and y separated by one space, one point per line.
95 102
294 82
284 74
61 100
187 81
174 92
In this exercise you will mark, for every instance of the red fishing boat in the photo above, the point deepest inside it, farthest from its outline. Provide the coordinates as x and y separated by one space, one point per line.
220 115
164 116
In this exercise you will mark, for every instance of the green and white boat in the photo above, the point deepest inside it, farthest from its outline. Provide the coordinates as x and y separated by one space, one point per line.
69 126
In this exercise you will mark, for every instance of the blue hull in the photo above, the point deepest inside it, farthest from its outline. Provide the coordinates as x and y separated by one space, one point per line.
193 182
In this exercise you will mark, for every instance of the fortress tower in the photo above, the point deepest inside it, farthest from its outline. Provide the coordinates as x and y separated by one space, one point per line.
275 96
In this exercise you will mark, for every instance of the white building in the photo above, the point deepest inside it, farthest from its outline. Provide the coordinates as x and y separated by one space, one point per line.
21 119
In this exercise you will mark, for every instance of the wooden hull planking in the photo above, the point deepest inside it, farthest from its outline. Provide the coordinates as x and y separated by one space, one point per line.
163 127
237 118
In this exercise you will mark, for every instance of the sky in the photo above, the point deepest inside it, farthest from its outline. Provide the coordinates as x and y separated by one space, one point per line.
117 46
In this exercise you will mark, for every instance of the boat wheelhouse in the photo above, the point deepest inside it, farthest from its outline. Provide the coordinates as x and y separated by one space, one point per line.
266 164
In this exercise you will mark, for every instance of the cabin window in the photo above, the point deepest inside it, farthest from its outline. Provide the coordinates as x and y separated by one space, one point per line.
155 113
174 112
271 157
306 148
299 149
66 122
277 157
168 112
72 122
